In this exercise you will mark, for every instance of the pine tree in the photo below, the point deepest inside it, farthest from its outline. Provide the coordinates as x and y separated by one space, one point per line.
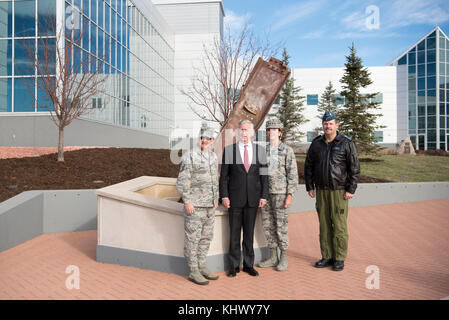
328 101
290 109
357 117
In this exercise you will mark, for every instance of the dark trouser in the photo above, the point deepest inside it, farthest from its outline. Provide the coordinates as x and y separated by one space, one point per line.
241 217
333 214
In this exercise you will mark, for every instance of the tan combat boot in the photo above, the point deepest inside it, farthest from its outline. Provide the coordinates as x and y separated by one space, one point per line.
196 277
272 261
283 264
207 274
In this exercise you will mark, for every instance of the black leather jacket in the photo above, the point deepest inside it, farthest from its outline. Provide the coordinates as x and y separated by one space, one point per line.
333 166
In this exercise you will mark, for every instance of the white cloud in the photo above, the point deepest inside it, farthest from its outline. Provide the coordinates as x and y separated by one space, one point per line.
234 21
409 12
316 34
294 13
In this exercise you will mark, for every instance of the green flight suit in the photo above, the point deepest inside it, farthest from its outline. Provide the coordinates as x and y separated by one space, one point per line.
332 214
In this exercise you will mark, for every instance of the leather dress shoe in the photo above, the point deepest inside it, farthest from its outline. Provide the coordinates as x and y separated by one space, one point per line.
251 271
323 263
338 265
231 273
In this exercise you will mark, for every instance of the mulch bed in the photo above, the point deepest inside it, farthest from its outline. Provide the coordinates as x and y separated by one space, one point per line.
91 169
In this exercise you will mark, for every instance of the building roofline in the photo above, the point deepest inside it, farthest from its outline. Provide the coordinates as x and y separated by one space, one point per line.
174 2
416 43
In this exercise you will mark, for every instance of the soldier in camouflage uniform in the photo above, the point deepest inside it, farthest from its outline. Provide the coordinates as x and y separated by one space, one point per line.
282 183
198 185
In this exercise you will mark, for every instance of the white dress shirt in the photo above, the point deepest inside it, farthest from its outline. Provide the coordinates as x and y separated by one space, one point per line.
241 146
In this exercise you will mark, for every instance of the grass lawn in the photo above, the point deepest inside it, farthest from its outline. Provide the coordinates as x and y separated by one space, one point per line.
405 168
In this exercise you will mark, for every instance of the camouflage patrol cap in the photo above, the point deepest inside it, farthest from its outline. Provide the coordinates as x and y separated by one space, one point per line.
329 115
274 124
207 132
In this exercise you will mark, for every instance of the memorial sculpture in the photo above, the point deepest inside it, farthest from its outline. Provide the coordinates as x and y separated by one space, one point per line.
141 222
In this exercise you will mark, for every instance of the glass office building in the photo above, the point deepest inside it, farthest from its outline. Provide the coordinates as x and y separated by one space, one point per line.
138 58
427 63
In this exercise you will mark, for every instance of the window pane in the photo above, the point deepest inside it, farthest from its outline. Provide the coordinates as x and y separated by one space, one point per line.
5 94
107 18
46 10
412 123
6 14
85 34
24 95
421 83
403 60
42 94
24 18
100 13
421 56
5 57
412 58
46 55
24 56
430 43
431 69
93 39
412 84
312 99
431 82
431 56
421 70
93 10
86 7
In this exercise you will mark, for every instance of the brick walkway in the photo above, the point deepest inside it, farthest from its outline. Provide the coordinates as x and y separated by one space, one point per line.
409 243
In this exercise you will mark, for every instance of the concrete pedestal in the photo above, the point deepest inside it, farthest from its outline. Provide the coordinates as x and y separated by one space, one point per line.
141 224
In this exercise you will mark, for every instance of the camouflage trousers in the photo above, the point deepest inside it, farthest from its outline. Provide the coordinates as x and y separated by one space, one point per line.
332 212
275 221
198 234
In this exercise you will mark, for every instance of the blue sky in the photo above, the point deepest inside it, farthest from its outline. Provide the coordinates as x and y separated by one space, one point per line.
317 33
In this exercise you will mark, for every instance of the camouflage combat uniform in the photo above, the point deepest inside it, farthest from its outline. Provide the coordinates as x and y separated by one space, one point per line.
198 184
282 180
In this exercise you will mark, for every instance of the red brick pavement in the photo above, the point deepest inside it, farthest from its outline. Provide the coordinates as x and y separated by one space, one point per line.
409 243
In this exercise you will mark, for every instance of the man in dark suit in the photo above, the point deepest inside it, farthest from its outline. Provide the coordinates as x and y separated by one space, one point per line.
243 188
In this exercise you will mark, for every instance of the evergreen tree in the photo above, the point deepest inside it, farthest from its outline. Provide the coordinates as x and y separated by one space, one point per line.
328 101
290 109
357 117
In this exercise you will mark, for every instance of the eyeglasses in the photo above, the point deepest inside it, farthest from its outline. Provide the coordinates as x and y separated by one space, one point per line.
206 138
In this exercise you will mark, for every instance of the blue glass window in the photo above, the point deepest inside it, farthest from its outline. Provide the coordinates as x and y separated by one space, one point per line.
412 110
422 45
24 50
378 136
431 82
107 53
77 4
113 52
312 99
431 93
421 70
113 19
412 58
5 57
85 33
93 10
421 56
431 69
6 14
46 11
44 101
76 59
431 56
93 39
5 94
339 99
24 95
119 56
412 70
46 53
430 43
107 18
310 136
119 30
100 43
86 7
25 13
100 14
421 83
403 60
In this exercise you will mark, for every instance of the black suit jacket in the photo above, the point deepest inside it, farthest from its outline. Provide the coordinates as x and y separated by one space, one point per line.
238 185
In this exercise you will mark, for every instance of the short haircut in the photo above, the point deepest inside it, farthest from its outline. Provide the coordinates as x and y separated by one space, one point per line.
246 121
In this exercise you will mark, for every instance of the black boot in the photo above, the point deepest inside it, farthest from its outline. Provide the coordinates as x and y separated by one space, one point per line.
338 265
323 263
